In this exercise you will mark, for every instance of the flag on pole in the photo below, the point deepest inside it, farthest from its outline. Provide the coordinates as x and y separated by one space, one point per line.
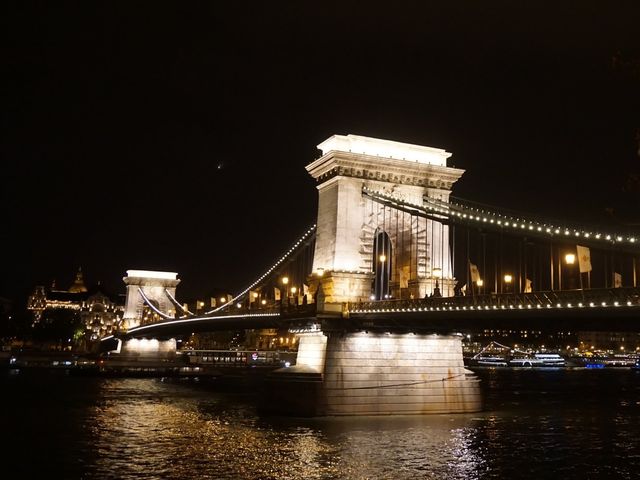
584 258
617 280
404 276
276 293
475 274
527 285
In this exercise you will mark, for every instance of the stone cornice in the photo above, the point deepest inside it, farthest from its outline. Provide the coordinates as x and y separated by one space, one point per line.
150 282
390 170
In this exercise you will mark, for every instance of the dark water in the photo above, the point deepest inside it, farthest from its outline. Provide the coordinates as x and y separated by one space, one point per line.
537 425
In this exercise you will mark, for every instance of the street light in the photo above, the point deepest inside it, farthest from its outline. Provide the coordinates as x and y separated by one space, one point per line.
379 284
284 294
569 259
479 283
437 272
508 279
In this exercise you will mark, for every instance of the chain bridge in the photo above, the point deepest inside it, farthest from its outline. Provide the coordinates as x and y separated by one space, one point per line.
393 269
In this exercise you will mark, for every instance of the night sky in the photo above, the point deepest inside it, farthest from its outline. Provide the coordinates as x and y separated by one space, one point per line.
174 136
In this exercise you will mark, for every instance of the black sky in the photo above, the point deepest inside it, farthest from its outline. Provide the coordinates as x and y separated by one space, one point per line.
174 135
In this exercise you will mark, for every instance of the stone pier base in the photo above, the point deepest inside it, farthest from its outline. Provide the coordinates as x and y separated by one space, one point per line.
367 373
148 349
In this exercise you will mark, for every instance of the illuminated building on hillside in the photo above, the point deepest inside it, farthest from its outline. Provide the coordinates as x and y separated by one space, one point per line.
98 312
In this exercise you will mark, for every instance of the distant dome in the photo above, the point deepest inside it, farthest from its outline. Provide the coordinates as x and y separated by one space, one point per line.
78 285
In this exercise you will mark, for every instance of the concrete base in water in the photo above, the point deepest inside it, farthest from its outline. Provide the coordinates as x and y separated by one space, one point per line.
376 374
144 349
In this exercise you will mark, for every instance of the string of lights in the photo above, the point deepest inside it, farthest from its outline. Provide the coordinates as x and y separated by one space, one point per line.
479 308
175 302
452 210
152 306
284 257
200 319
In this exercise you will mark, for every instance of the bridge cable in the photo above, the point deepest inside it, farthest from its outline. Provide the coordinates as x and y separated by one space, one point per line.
176 304
307 236
152 306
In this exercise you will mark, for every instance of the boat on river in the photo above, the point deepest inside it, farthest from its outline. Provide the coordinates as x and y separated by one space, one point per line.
498 355
490 361
538 360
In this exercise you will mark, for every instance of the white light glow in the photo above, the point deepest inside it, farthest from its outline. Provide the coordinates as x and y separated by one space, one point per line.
385 148
152 274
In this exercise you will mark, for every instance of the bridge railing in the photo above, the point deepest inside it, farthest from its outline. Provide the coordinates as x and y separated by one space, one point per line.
286 310
564 298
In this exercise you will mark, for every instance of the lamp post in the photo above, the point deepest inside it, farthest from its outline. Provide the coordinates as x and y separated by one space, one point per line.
284 294
508 278
479 283
381 294
436 272
569 259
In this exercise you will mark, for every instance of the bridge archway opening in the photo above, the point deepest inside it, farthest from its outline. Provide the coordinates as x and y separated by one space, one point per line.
382 261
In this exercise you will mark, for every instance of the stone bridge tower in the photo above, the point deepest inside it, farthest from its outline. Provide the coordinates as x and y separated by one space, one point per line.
153 285
344 369
349 223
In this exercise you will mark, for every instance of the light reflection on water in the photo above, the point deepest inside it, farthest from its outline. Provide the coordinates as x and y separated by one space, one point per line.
183 436
562 426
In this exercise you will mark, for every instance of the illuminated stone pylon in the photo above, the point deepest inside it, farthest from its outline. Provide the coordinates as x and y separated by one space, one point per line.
348 222
154 285
343 368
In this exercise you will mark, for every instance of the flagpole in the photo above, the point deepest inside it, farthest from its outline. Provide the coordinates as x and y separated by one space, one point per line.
559 272
551 263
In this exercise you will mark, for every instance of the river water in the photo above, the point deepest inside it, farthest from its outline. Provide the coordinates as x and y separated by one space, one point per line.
561 424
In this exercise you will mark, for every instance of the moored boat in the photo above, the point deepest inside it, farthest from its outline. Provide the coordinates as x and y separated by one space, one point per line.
490 361
497 355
